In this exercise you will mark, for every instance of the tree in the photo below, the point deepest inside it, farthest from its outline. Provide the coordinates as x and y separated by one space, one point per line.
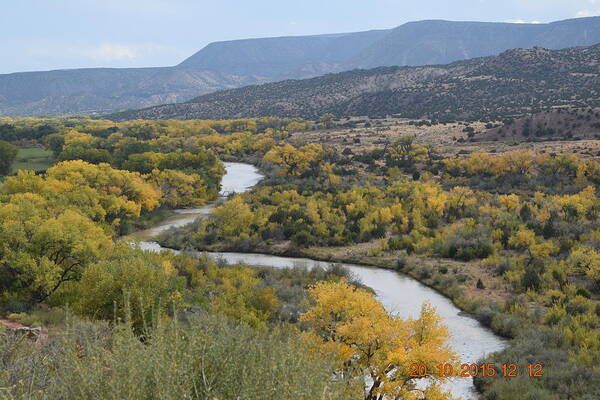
404 153
130 282
326 120
8 153
432 155
109 193
39 253
180 189
525 239
55 143
306 160
235 217
586 260
368 341
100 192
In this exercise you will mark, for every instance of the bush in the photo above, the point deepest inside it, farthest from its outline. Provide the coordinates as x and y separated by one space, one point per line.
466 245
404 262
506 325
206 357
485 314
562 378
303 239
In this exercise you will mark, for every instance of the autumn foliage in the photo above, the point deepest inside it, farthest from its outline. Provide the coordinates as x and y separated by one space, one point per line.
368 341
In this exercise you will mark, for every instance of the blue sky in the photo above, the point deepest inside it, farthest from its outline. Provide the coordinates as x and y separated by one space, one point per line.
53 34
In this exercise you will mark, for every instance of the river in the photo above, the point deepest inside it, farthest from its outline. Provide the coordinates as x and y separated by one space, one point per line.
399 294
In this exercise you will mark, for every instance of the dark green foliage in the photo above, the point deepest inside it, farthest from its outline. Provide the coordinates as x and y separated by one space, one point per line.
303 239
54 143
131 147
8 153
531 278
93 156
466 244
12 133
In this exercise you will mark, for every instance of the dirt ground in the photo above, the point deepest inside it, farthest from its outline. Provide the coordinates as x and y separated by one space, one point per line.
42 337
449 139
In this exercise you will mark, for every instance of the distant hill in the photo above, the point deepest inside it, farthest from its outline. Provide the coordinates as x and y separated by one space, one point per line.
106 89
558 124
286 57
231 64
412 44
514 83
442 42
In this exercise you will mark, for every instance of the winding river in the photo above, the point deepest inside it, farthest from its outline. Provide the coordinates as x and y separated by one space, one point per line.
400 294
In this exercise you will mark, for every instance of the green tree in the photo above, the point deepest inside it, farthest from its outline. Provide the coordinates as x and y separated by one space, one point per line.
8 153
130 283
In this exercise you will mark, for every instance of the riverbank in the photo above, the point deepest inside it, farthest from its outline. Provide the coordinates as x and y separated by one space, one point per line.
457 281
444 276
399 292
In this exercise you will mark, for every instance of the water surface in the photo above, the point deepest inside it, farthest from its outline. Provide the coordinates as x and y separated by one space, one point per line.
399 294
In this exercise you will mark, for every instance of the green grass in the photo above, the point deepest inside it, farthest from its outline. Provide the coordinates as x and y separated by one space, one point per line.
33 159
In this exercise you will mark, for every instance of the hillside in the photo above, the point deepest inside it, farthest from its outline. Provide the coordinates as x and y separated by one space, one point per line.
285 57
513 83
232 64
442 42
560 124
106 89
411 44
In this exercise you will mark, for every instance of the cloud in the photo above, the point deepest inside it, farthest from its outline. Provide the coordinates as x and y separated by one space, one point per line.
39 54
521 21
103 52
587 13
111 52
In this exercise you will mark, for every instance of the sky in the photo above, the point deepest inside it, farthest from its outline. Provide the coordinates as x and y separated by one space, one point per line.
56 34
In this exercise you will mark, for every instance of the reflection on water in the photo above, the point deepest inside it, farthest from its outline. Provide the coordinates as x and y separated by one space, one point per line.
398 293
239 178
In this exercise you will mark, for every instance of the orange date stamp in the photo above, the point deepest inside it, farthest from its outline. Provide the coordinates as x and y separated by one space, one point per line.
471 370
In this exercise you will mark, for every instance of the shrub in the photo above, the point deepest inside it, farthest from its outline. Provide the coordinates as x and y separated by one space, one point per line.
303 239
207 357
466 244
506 325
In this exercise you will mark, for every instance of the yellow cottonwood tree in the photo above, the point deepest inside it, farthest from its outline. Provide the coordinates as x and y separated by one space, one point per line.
369 342
295 162
180 189
586 260
235 218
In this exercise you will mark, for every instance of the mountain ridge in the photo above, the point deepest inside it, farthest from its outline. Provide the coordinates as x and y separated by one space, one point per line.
230 64
516 82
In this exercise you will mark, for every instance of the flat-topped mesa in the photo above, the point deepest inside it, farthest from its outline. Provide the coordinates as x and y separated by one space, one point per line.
237 63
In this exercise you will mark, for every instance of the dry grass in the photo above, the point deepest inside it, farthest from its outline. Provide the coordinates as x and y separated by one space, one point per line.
449 139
